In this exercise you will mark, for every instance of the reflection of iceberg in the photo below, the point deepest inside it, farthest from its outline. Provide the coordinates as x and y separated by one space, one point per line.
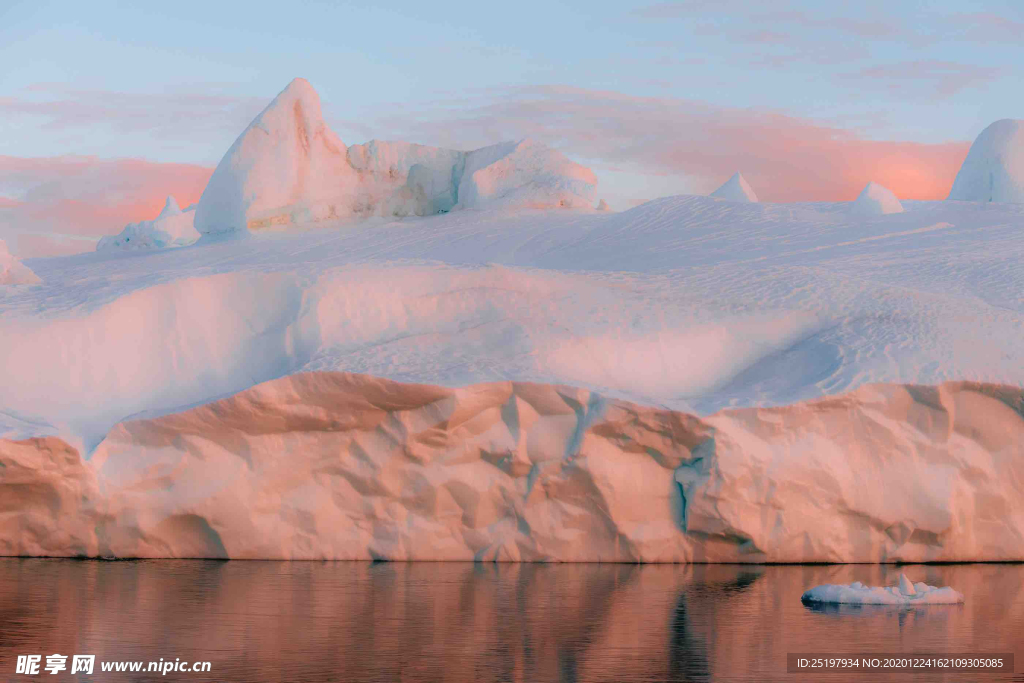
907 593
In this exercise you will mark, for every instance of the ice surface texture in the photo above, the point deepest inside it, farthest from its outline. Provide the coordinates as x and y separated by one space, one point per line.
994 168
905 594
337 466
13 271
692 303
288 168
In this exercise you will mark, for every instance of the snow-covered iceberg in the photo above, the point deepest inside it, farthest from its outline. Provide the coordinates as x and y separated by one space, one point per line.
904 594
289 168
876 200
171 228
736 189
994 168
13 271
688 380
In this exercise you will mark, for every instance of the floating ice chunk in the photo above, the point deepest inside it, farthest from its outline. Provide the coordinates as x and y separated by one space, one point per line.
906 593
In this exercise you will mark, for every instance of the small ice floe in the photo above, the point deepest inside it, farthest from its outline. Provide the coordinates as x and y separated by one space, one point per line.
906 593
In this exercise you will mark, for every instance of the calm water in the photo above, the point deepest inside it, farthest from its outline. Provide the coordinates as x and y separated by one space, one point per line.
349 621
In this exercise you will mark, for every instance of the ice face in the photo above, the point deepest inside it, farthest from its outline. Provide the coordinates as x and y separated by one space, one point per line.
325 465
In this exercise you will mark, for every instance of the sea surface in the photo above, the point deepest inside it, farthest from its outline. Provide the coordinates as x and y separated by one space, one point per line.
354 621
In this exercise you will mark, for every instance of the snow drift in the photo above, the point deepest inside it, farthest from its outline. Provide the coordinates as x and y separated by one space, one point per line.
907 593
171 228
875 200
735 189
13 271
288 167
337 466
994 168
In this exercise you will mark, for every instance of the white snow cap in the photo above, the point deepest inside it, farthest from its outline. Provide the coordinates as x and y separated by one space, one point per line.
994 168
876 200
289 168
171 228
735 189
13 271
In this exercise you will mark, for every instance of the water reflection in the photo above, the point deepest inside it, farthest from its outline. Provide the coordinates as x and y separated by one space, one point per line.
338 621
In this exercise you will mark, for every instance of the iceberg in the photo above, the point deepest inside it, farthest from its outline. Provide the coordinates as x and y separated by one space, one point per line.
876 200
905 593
736 189
288 168
688 380
171 228
994 168
13 271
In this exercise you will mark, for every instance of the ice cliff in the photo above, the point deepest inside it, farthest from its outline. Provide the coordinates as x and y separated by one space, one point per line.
340 466
288 167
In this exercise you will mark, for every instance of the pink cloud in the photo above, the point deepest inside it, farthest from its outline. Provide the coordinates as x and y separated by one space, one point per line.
785 158
62 204
931 78
207 115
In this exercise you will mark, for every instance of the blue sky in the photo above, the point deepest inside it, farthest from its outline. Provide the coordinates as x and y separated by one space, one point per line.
176 82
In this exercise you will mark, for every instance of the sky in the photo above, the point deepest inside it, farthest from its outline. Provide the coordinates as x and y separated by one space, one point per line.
114 105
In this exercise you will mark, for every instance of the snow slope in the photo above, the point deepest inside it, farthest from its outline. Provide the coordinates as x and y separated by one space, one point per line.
13 271
289 168
690 305
171 228
735 189
994 168
335 466
906 593
875 200
686 302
